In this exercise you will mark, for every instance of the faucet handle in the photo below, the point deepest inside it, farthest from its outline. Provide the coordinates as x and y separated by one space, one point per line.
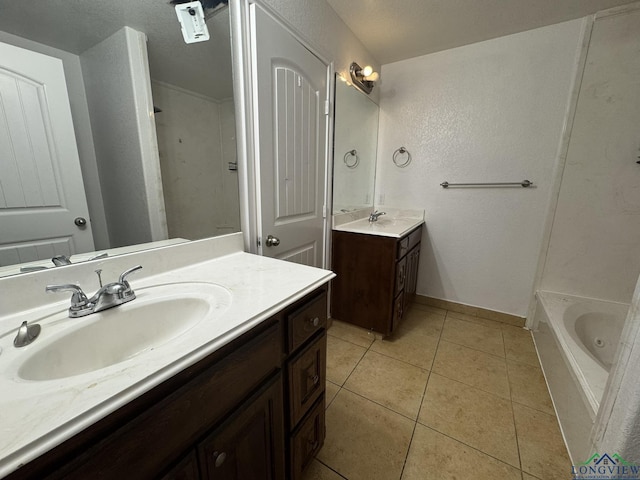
78 299
126 273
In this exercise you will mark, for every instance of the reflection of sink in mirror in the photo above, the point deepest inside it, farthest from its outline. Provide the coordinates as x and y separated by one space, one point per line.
355 146
159 314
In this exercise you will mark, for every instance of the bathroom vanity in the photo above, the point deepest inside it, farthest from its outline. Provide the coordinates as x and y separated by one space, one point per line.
239 394
376 264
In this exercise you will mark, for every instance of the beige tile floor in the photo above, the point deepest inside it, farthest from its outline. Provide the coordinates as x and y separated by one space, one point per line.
450 396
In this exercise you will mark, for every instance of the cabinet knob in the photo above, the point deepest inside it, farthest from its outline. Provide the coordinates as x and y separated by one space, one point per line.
315 379
219 458
314 321
313 443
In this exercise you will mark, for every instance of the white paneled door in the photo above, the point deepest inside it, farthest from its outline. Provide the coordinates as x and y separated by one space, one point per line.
42 198
292 126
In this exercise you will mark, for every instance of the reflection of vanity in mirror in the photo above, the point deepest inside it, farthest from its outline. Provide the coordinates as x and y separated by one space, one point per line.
355 145
151 131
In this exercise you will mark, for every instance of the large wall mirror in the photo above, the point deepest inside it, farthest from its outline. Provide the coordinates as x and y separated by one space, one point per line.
137 91
355 147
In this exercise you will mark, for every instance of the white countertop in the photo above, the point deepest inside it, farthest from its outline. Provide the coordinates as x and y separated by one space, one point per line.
35 416
395 223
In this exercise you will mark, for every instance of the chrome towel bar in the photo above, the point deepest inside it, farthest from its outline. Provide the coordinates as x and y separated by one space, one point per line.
523 184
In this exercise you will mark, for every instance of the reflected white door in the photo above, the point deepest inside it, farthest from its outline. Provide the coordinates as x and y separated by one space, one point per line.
41 189
292 137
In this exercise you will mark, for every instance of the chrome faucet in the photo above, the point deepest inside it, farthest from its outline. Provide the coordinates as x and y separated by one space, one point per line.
374 215
60 260
108 296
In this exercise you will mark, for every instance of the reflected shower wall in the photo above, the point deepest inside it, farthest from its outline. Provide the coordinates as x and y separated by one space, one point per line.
197 144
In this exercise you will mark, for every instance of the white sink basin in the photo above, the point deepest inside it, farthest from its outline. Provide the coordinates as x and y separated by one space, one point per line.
68 347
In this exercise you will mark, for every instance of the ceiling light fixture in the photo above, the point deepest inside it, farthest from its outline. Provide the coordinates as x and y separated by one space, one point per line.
363 78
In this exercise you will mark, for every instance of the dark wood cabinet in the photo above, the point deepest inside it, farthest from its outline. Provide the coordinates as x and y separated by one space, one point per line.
376 278
307 439
235 414
306 378
186 469
250 444
306 365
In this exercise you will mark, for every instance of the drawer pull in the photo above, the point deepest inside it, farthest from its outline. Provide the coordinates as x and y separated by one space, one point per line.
314 321
315 379
219 457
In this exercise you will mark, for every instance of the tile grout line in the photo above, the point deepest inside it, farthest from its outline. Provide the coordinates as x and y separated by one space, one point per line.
331 468
356 365
474 349
384 406
341 387
413 432
474 386
403 361
424 393
490 393
470 446
513 414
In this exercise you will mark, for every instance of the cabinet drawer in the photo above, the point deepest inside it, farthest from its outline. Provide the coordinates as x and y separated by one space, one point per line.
307 441
403 247
307 378
307 320
415 237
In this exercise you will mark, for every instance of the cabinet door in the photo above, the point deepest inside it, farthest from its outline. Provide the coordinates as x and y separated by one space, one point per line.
413 260
250 444
398 311
307 378
187 469
401 275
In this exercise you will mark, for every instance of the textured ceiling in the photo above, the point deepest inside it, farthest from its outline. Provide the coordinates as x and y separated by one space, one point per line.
394 30
75 26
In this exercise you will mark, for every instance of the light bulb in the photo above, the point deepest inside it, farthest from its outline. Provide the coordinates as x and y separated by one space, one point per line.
373 77
366 71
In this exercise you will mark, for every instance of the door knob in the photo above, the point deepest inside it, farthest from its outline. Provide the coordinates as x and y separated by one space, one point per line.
272 241
80 221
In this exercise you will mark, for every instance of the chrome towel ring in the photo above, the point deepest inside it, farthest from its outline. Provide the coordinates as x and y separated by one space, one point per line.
397 153
356 159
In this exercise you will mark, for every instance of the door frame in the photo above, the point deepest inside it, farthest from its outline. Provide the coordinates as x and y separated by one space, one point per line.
244 86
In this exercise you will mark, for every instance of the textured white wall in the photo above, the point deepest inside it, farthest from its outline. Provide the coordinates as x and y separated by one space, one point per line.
82 127
116 78
200 192
491 111
594 249
317 22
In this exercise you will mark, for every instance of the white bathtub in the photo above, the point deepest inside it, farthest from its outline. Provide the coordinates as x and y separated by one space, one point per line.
577 339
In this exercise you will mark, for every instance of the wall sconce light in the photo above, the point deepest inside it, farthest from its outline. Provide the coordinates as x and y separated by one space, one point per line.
363 78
